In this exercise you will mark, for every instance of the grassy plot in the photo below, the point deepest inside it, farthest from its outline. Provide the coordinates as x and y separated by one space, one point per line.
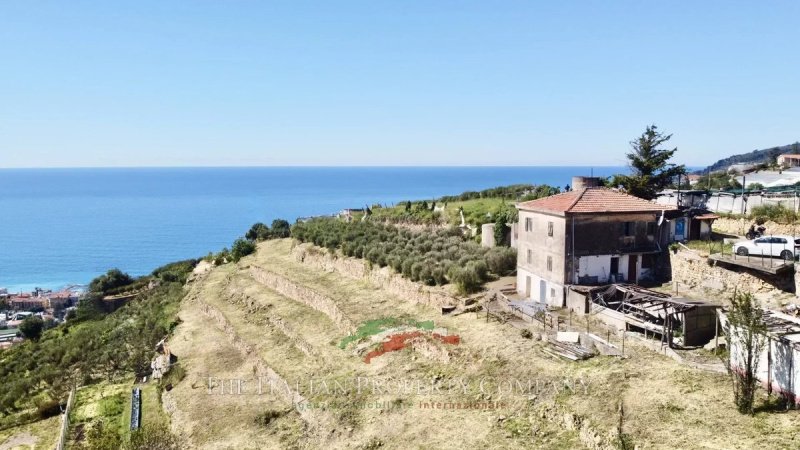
152 412
99 414
477 211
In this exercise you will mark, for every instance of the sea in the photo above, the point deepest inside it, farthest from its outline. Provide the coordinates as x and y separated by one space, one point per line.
63 227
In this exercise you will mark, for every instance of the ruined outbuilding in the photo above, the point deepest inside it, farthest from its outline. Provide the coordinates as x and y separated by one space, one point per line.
777 363
629 307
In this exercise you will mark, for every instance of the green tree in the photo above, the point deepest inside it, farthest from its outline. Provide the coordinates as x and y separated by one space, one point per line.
112 279
747 338
32 327
258 232
507 214
650 165
280 228
242 248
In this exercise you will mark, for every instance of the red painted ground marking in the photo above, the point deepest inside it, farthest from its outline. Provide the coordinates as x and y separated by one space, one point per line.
400 341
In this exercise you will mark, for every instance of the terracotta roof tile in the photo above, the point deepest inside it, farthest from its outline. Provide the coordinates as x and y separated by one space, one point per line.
592 200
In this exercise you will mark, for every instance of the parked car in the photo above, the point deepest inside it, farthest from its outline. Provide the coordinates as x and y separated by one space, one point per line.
785 247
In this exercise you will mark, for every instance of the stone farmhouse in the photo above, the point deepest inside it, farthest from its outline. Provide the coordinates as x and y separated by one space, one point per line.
588 236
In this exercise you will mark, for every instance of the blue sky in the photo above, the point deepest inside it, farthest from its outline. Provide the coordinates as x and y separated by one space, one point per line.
206 83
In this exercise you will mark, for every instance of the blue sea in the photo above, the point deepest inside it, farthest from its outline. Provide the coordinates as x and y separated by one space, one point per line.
65 226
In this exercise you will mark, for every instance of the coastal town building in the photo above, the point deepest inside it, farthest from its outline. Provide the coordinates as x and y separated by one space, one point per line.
40 299
26 302
789 160
588 236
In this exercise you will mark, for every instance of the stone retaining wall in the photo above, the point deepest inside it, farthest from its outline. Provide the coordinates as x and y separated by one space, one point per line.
383 277
740 226
310 297
261 369
240 299
694 270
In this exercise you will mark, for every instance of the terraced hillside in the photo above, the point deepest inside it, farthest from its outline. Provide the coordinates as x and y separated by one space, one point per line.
326 360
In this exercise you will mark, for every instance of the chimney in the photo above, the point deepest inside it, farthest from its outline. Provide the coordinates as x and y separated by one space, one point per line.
584 182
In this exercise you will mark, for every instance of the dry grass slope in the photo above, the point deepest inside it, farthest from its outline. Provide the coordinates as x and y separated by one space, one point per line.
666 405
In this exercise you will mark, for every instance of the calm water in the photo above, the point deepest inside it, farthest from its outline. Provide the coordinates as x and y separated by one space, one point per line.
65 226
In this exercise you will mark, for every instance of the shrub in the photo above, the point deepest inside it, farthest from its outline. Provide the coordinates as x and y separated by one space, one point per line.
113 279
258 232
466 279
526 333
480 269
242 248
776 213
280 228
48 408
428 257
502 260
266 417
32 327
153 437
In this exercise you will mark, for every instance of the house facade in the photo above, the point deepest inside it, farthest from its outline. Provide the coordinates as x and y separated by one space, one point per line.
789 160
589 236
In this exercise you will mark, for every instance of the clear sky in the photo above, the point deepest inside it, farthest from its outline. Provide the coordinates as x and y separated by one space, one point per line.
203 83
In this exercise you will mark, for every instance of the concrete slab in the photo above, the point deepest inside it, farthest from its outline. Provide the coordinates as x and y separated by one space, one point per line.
568 336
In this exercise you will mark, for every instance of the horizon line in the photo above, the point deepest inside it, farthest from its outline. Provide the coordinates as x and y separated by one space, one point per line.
306 166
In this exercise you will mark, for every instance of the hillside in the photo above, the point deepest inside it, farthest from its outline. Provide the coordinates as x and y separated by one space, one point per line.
303 322
755 157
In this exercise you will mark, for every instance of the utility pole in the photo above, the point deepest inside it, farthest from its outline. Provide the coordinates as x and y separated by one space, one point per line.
744 183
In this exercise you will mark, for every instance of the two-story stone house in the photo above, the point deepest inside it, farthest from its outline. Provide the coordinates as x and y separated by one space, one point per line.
588 236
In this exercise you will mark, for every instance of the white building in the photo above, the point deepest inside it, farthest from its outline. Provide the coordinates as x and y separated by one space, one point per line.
777 364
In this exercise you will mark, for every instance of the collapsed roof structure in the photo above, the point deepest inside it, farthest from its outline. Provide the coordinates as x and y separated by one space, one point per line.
629 306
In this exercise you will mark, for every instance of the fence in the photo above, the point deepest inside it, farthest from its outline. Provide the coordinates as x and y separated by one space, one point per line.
62 437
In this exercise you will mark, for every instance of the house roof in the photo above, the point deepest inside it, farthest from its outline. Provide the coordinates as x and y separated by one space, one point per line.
708 216
592 200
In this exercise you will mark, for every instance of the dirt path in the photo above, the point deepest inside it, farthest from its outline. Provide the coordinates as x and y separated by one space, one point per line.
19 440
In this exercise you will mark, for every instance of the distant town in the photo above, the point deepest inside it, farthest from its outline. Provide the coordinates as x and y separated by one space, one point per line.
51 306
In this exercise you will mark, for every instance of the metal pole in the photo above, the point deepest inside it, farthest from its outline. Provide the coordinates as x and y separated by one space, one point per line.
769 367
744 182
716 331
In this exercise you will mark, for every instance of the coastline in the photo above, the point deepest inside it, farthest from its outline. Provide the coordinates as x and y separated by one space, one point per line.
70 225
